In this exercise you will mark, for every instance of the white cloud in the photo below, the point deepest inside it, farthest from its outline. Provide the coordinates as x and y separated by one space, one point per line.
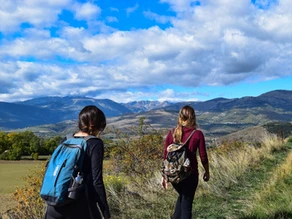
158 18
217 43
132 9
179 5
87 11
39 14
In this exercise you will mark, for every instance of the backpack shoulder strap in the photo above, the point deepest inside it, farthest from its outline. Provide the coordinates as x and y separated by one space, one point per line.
89 137
68 136
189 137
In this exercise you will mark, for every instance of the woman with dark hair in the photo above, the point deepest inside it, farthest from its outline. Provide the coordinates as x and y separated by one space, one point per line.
92 203
186 188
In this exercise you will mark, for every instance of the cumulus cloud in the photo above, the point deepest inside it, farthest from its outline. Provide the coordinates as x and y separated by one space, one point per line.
87 11
39 14
213 43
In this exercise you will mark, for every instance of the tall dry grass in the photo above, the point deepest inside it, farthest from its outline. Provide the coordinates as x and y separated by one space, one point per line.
230 160
274 200
131 196
228 164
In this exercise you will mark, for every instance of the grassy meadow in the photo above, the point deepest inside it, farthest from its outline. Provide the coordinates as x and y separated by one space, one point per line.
12 175
247 182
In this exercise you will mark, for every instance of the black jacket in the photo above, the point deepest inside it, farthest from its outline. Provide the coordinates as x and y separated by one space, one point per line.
86 206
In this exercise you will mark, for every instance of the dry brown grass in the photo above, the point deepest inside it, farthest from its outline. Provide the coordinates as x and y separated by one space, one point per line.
6 202
231 159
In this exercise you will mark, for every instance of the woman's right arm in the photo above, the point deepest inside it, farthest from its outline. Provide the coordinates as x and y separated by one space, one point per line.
204 156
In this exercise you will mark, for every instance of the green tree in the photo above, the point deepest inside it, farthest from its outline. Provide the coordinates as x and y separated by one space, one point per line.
29 142
4 142
50 144
15 146
34 147
22 143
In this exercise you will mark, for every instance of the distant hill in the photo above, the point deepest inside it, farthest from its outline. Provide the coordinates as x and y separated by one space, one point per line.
281 99
51 110
217 117
145 105
15 115
69 107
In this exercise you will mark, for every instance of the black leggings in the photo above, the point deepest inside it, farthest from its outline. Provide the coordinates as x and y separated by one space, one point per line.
186 190
76 210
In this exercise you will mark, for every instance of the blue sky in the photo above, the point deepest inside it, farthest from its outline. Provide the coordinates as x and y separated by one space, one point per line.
175 50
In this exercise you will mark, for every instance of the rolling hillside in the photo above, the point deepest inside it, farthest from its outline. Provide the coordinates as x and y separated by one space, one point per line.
217 117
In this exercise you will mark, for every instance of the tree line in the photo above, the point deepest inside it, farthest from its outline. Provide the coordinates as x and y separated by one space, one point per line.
14 145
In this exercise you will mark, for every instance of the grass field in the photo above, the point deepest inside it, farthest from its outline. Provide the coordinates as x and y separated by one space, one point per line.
12 174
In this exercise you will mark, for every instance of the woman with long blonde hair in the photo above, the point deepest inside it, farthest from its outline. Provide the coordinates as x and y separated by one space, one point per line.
186 189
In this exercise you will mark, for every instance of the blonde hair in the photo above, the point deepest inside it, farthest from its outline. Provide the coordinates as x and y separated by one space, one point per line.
186 118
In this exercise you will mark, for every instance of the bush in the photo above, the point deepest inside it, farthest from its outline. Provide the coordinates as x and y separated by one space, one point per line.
140 155
5 155
115 183
35 156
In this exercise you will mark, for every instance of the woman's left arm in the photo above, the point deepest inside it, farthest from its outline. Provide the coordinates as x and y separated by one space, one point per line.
97 155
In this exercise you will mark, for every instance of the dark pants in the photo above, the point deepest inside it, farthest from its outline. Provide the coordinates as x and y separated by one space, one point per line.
81 209
186 190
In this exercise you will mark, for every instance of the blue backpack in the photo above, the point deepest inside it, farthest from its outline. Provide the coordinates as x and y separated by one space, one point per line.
64 165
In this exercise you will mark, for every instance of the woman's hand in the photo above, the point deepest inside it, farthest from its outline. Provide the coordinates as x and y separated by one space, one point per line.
206 176
164 183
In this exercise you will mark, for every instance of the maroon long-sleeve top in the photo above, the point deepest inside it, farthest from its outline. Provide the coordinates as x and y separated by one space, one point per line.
196 142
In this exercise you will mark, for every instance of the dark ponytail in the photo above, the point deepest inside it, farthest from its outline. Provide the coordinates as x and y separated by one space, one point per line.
91 120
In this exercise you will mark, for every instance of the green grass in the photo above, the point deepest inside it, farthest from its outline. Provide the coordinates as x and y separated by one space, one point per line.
234 203
12 174
274 199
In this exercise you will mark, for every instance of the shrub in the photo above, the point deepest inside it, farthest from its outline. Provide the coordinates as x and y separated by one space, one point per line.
115 183
140 155
5 155
35 156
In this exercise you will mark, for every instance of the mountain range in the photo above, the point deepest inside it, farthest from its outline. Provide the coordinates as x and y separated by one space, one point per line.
218 116
51 110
